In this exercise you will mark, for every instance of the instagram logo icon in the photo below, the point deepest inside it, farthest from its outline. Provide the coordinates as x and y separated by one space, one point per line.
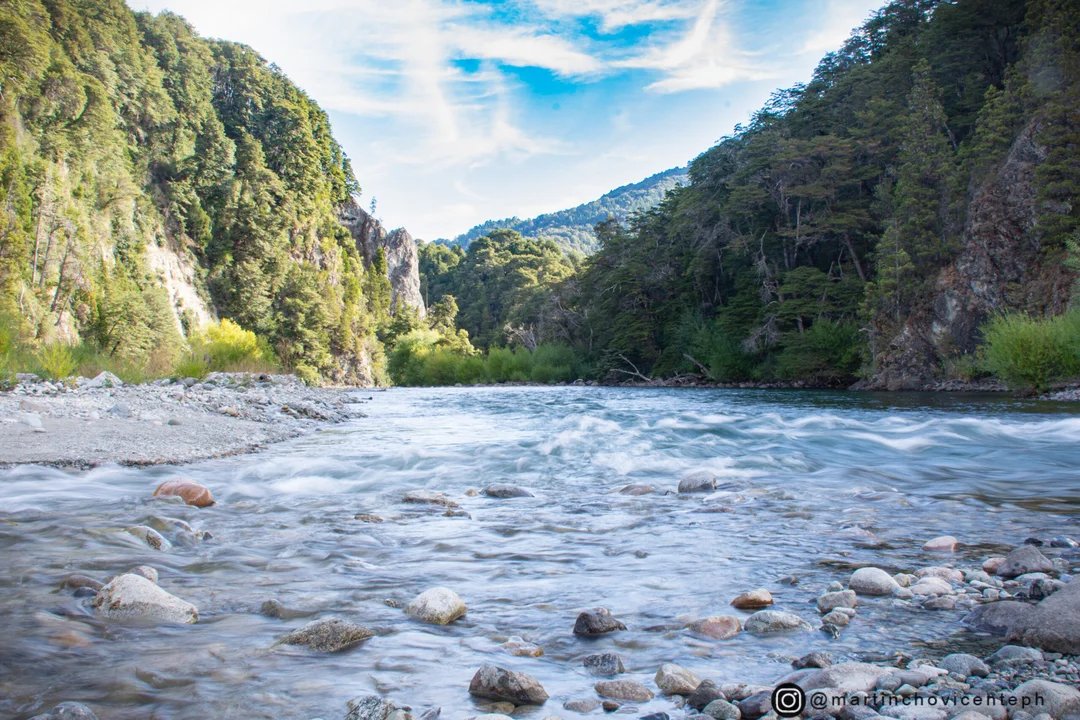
788 700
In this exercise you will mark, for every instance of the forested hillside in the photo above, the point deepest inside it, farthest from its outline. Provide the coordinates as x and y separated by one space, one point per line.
867 224
153 181
573 229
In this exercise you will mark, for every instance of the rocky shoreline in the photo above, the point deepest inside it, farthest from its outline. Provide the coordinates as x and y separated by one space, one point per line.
90 422
1027 603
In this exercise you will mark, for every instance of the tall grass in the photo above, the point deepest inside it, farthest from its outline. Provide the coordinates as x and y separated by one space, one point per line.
1032 353
415 362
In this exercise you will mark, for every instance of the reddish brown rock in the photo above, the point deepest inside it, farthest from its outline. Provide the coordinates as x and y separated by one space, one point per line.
189 491
753 600
717 627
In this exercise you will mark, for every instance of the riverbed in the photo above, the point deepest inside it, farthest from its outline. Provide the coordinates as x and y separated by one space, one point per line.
810 486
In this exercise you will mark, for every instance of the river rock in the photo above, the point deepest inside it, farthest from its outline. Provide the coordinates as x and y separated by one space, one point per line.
815 659
75 581
991 565
722 710
128 597
872 581
837 618
189 491
753 600
1024 559
832 600
520 648
328 635
582 705
773 621
623 690
496 683
944 543
604 664
506 491
1015 655
438 606
698 482
706 692
998 617
373 707
717 627
428 497
1060 700
1054 624
947 574
597 621
674 679
931 585
637 489
150 536
964 664
68 711
849 677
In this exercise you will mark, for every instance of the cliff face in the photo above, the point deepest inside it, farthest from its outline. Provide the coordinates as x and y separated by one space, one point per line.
1001 267
399 248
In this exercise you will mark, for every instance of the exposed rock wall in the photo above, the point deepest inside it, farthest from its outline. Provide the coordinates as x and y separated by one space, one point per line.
402 261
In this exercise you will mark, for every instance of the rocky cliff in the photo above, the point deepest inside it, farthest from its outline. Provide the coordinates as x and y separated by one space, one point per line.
1001 267
399 249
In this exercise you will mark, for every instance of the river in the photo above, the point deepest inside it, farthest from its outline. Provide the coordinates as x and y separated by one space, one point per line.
813 484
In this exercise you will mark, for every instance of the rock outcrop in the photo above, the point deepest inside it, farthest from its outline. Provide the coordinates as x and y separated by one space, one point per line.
399 248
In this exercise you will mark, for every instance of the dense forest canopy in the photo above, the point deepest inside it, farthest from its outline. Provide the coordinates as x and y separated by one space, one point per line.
865 224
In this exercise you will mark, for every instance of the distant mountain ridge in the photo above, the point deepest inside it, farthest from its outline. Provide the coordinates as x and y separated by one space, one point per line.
573 228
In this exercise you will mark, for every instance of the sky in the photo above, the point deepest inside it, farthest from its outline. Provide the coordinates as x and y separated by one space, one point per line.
459 111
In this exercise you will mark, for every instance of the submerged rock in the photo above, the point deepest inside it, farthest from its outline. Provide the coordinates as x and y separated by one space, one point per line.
521 648
506 491
597 621
129 597
623 690
373 707
150 536
75 581
189 491
717 627
698 482
773 621
639 489
428 497
328 635
68 711
438 606
496 683
753 600
674 679
604 664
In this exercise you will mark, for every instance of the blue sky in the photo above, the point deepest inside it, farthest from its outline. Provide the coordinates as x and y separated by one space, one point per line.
457 111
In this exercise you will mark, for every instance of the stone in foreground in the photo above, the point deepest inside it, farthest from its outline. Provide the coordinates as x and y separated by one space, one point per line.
674 679
753 600
623 690
329 635
1054 624
133 597
597 621
1059 700
872 581
438 606
189 491
496 683
773 621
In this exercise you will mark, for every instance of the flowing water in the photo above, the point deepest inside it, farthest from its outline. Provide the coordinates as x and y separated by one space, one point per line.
813 485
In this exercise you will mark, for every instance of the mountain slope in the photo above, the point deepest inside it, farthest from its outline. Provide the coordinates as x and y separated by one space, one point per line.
573 228
153 180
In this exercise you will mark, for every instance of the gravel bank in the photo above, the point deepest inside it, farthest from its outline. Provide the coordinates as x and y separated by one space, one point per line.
101 420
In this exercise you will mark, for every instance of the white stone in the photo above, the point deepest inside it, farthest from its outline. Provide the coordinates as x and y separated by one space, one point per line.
130 597
943 543
931 585
674 679
439 606
872 581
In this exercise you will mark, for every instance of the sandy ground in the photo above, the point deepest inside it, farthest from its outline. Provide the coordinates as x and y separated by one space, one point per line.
101 421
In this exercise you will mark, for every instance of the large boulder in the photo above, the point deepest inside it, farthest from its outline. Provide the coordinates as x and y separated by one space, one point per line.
438 606
328 635
496 683
1058 700
872 581
189 491
1054 624
1024 559
133 597
597 621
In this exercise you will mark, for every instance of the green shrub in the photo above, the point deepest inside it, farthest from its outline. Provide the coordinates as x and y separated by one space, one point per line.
829 352
226 347
56 361
1031 353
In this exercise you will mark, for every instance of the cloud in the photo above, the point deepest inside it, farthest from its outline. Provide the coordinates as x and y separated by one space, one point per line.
617 14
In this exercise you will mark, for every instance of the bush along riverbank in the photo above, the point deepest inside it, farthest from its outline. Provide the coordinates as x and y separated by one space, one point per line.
1022 606
85 422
